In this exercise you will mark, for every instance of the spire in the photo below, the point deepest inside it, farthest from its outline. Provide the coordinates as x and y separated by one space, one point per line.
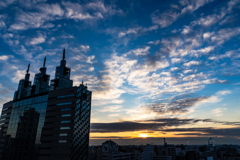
44 63
63 58
28 68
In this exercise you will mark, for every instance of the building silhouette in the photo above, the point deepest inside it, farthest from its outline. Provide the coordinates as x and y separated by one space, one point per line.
46 121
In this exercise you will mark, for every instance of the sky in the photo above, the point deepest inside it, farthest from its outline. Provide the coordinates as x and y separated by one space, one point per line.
155 68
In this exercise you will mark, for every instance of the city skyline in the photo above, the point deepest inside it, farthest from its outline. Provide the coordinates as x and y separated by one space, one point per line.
156 69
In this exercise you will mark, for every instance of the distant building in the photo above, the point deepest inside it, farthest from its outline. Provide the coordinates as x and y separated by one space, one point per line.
161 158
172 152
109 147
148 152
192 155
46 121
110 151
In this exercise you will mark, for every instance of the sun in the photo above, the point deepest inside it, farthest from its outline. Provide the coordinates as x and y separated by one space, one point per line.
143 135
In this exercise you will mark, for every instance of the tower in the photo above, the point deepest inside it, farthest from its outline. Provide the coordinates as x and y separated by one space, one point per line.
24 86
41 81
62 76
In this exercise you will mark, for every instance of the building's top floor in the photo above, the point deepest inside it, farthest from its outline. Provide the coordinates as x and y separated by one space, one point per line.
41 81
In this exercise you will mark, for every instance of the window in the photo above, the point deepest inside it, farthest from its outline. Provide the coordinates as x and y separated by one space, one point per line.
63 134
64 127
65 121
70 95
60 104
66 109
66 115
5 109
62 141
4 114
3 119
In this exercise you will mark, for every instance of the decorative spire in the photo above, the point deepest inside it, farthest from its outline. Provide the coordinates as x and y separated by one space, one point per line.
63 58
82 82
28 68
44 63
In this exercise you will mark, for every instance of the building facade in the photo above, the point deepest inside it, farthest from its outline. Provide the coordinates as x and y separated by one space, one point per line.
46 121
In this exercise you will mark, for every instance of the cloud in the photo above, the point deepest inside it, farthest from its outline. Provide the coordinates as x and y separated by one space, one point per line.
217 97
208 131
154 42
2 20
47 12
136 31
89 59
85 48
218 111
174 68
2 24
113 77
129 31
186 30
188 71
205 51
6 3
80 50
188 64
30 3
82 12
52 12
214 80
228 19
176 46
166 18
136 126
161 124
140 51
51 9
232 4
207 35
214 18
224 92
224 35
209 20
67 36
176 107
4 57
110 108
176 60
19 74
229 54
107 9
37 40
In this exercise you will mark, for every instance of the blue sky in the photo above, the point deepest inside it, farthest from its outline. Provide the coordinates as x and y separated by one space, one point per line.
156 68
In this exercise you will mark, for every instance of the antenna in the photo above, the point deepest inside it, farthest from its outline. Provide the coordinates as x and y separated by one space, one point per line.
44 63
63 54
28 68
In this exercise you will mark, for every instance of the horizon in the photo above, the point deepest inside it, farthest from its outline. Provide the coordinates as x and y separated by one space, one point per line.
156 70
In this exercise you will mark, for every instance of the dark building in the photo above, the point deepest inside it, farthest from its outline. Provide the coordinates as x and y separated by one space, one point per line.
23 145
46 121
192 155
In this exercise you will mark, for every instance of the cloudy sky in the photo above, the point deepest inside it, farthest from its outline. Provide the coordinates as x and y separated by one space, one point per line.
156 68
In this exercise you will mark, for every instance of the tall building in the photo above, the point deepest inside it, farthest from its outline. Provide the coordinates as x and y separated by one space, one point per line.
46 122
